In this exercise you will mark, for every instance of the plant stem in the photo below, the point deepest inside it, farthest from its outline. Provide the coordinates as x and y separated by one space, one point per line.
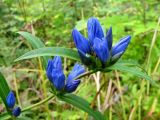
85 74
16 89
43 86
150 51
122 100
37 104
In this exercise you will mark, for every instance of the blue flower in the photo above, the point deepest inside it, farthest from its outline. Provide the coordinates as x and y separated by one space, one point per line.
119 48
55 73
81 42
109 38
11 100
57 78
98 45
16 111
72 84
94 30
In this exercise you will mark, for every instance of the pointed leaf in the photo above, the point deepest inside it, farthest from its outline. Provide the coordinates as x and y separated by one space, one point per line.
81 104
137 71
4 90
35 42
51 51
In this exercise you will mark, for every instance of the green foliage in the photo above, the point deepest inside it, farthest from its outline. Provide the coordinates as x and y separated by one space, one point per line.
4 90
53 21
51 51
82 104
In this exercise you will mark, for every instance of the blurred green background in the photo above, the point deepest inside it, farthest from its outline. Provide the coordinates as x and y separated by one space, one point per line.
53 21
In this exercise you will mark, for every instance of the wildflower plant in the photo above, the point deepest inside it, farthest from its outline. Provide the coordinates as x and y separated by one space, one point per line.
57 78
96 52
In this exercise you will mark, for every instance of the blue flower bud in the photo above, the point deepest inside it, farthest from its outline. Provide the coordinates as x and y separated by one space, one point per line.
94 30
80 41
16 111
55 73
11 100
100 47
72 86
116 56
76 71
120 47
109 38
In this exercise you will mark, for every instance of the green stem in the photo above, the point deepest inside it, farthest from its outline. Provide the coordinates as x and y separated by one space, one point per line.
85 74
37 104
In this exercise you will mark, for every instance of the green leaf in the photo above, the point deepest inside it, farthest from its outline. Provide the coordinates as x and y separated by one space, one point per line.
35 43
4 116
81 104
51 51
137 71
4 90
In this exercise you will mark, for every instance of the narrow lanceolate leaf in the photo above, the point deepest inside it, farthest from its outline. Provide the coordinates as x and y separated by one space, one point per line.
137 71
4 116
51 51
82 104
4 89
35 42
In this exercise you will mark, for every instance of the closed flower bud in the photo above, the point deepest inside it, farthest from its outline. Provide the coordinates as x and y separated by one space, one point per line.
55 73
100 47
77 70
109 38
120 47
72 84
11 100
94 29
16 111
80 41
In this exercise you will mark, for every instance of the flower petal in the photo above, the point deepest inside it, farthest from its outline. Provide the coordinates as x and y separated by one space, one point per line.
55 73
72 86
77 70
100 47
16 111
109 38
116 56
121 45
11 100
58 79
57 62
94 30
80 41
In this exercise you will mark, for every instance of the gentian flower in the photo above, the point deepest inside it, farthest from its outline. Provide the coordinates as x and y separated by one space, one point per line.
16 111
57 78
55 73
98 45
11 100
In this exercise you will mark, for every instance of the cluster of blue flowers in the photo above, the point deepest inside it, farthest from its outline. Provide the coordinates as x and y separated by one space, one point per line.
57 78
98 45
11 100
96 51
